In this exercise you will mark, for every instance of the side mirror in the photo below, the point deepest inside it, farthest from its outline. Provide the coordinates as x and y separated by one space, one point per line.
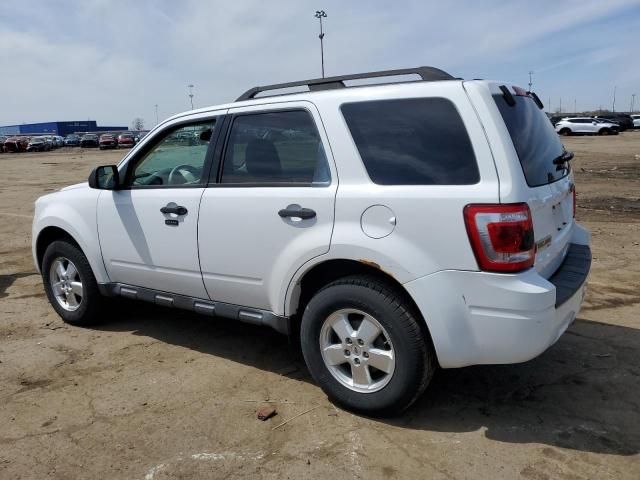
104 178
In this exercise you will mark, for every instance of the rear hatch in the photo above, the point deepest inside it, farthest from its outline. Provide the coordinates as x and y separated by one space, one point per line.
549 189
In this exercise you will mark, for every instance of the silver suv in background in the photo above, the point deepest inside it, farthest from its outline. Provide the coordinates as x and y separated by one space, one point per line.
636 121
586 126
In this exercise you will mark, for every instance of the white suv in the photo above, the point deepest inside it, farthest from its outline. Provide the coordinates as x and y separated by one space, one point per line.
586 126
394 227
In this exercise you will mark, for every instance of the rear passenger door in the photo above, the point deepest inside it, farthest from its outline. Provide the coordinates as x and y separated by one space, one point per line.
269 207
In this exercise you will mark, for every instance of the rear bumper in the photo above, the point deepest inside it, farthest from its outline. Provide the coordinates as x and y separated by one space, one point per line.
487 318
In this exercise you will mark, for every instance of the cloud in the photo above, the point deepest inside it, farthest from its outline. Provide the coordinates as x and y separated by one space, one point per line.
113 60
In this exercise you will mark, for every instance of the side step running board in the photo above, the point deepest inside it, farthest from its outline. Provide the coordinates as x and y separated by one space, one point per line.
204 307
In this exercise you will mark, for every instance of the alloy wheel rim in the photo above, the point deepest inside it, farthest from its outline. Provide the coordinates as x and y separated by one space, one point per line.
357 350
66 284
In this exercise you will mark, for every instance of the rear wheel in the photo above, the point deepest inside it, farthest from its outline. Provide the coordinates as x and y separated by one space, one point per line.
70 284
565 132
364 346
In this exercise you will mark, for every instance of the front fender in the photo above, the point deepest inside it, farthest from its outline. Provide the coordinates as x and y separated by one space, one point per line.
76 215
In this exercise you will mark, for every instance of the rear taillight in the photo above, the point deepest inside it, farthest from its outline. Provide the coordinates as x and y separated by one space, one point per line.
501 236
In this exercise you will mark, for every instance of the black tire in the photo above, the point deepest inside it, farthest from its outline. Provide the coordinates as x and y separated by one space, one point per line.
415 361
565 132
92 304
604 131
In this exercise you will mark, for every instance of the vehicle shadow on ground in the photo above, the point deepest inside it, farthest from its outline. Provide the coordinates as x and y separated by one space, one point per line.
581 394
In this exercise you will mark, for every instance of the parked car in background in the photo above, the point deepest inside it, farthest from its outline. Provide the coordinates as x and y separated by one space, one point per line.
38 144
72 140
126 140
107 140
625 121
90 140
50 140
555 119
59 141
585 126
16 144
139 136
636 121
613 125
2 140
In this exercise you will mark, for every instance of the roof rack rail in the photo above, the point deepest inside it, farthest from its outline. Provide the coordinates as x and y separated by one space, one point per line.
427 74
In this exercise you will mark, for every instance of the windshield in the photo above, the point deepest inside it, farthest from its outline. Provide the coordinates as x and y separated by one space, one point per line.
534 139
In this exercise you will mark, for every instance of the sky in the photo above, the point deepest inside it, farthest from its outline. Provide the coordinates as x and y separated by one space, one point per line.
112 61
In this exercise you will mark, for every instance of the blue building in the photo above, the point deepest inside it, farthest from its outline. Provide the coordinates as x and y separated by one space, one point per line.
57 128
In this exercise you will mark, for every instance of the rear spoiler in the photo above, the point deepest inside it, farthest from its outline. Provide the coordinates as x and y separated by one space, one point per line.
520 92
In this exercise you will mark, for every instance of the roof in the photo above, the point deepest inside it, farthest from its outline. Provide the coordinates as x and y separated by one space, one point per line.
321 86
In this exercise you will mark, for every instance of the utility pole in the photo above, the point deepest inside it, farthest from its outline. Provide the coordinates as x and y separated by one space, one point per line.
575 108
190 87
560 104
156 106
633 103
530 80
613 107
320 14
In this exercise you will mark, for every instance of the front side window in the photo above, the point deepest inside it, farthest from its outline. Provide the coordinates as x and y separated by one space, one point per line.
177 159
412 141
281 147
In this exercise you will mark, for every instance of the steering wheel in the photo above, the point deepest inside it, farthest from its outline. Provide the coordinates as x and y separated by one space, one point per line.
189 173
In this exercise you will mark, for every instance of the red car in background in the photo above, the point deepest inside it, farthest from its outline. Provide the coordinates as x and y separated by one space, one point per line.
16 144
107 141
126 140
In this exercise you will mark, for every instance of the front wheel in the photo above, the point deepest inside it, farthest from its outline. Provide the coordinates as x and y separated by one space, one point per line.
604 131
70 284
364 346
565 132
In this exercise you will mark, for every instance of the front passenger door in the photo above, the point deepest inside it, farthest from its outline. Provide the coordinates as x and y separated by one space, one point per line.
148 229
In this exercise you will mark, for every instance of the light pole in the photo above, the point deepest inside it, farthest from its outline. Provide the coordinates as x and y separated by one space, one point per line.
575 103
531 72
613 107
190 87
320 14
156 106
633 103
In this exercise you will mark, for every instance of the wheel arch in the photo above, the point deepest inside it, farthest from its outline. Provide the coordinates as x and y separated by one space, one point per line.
323 273
47 236
51 229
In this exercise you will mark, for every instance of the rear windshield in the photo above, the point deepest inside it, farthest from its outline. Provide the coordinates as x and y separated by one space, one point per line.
534 139
412 141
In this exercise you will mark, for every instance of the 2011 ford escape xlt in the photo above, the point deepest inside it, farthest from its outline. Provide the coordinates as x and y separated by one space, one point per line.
396 227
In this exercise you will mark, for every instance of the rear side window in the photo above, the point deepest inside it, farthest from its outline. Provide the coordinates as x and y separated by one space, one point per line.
534 139
415 141
275 147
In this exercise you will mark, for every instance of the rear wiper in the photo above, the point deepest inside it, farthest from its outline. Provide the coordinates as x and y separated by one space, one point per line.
564 158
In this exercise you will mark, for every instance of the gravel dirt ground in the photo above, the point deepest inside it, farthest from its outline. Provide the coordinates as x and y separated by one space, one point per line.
158 394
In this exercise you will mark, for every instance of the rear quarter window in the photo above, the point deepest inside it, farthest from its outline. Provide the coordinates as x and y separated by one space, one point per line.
417 141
